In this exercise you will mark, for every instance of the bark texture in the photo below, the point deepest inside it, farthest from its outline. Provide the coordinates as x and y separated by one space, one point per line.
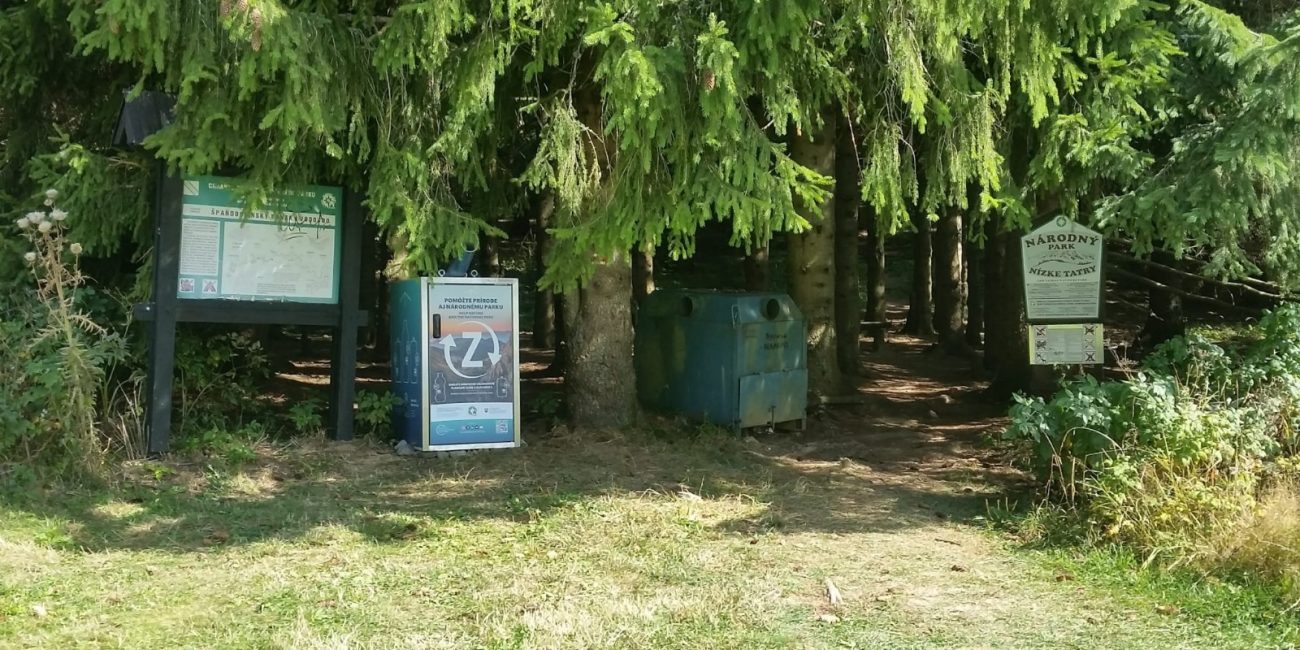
1006 346
920 308
757 269
544 306
643 272
811 265
599 375
848 304
489 258
374 291
602 393
975 296
877 311
948 286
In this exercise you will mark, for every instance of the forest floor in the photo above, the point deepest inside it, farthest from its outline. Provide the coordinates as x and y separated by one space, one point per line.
670 537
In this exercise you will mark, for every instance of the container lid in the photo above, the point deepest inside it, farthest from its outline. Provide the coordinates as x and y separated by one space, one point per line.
721 306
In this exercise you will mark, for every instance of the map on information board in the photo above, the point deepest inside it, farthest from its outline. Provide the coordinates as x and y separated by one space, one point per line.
287 251
1073 344
1062 272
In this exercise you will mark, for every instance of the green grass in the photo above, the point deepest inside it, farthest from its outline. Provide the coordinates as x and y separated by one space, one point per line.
580 542
1229 334
1247 609
1252 612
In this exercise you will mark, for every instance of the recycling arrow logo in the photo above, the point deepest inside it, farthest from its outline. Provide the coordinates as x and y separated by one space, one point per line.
468 363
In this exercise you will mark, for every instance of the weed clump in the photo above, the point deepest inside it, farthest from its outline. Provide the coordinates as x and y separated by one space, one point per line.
54 357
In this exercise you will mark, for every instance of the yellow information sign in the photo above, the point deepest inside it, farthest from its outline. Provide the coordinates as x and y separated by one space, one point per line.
1073 344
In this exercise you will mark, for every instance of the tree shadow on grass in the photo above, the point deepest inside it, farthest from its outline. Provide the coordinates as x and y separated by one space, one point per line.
289 494
907 456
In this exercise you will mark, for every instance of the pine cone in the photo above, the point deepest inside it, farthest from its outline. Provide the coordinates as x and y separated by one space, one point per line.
224 10
710 81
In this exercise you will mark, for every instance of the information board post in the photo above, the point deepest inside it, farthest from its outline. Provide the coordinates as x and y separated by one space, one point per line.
162 339
344 362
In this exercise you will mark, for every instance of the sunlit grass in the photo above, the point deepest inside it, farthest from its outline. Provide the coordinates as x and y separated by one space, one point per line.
580 543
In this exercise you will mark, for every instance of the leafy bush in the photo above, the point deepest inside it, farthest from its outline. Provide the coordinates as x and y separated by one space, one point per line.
218 379
375 413
305 416
1171 460
232 447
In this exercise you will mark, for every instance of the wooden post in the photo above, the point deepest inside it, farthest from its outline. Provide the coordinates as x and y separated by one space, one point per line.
343 365
162 339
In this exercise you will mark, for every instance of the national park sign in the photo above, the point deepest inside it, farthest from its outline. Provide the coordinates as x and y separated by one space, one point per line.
1062 263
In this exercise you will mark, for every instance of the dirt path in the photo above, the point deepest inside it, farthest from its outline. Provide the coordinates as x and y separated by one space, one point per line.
888 499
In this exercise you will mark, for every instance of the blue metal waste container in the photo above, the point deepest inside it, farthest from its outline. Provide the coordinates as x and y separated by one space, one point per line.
735 359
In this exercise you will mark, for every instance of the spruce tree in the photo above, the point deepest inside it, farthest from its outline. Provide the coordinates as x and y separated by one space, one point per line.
433 108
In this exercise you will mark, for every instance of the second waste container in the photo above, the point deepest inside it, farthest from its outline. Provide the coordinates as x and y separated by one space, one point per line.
735 359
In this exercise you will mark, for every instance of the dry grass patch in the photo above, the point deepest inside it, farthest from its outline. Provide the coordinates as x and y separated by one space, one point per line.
1265 543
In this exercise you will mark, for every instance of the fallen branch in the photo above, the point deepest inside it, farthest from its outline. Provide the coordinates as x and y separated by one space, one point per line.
1152 284
1234 286
1262 285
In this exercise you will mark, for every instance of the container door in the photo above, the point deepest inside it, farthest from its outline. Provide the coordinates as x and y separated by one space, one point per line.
773 397
473 369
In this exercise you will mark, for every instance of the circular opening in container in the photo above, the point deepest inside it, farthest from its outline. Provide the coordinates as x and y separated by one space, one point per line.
688 306
772 308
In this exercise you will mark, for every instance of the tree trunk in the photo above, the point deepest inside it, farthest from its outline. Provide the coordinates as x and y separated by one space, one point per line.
544 306
947 280
811 264
877 307
490 258
599 376
1006 349
757 269
374 288
964 241
643 272
975 296
1165 318
566 312
920 308
848 304
602 394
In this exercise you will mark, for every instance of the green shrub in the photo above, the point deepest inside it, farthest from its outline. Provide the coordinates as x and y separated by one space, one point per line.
305 416
232 447
375 413
219 374
1171 461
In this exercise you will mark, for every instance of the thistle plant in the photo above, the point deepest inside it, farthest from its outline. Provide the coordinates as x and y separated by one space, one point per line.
78 346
